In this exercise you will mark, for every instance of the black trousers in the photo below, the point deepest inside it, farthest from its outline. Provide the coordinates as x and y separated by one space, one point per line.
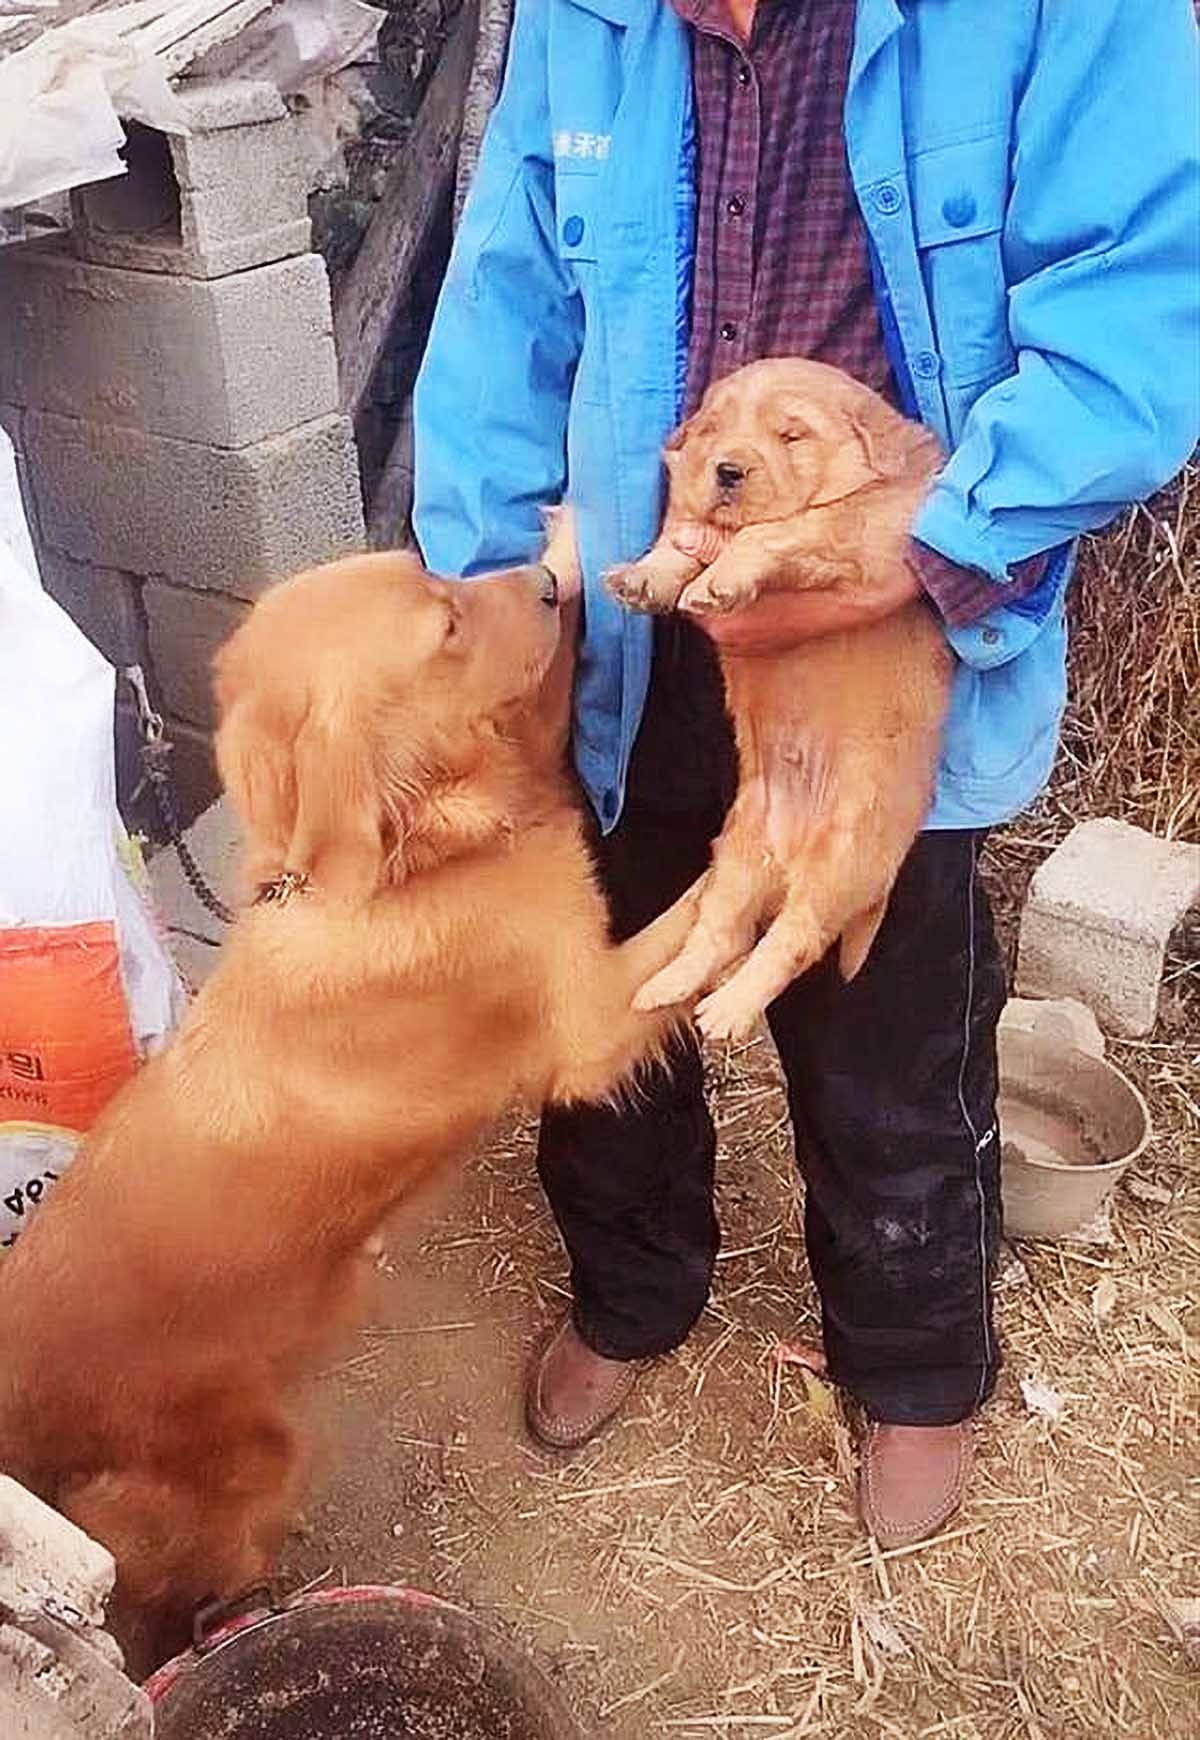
891 1085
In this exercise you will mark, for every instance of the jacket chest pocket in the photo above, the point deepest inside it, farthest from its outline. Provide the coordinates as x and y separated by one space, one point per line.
959 197
576 186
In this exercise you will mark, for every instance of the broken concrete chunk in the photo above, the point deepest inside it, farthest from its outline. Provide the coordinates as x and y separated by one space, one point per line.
1056 1018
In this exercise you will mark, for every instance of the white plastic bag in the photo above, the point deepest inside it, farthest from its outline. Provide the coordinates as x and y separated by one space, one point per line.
87 987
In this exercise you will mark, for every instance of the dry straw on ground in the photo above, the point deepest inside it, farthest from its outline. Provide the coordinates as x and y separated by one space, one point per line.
698 1573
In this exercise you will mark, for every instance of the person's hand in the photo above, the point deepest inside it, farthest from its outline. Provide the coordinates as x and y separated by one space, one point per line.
780 620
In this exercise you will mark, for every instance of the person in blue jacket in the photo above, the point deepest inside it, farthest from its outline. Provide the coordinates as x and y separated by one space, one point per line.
996 208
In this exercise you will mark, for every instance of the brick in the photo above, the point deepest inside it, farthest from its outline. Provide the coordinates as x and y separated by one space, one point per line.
1061 1019
228 361
185 628
230 194
1099 915
104 603
228 520
46 1557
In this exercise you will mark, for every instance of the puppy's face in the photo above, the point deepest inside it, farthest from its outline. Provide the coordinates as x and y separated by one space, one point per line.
350 692
776 438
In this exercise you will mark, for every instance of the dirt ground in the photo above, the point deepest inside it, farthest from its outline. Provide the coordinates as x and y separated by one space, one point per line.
698 1571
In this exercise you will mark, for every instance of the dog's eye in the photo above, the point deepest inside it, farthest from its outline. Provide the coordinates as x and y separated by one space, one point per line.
792 435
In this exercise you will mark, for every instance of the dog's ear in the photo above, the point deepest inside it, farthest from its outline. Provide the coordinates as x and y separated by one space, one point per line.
302 781
337 838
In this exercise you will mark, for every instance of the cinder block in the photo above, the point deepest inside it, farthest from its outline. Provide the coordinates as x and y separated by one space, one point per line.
185 628
47 1559
1056 1018
229 194
227 519
215 842
103 601
227 362
192 766
1099 914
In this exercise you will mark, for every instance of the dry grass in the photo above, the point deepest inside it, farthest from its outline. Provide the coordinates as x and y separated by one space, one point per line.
698 1572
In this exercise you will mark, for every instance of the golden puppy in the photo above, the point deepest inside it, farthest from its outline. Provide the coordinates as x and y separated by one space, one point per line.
804 479
431 948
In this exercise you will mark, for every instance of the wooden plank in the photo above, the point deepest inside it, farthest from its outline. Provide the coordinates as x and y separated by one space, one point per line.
392 497
417 183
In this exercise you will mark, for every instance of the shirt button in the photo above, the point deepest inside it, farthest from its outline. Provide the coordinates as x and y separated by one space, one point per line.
735 206
743 74
573 231
888 198
927 365
990 636
959 210
728 331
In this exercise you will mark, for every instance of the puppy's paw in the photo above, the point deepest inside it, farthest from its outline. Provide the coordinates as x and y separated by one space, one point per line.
643 586
715 594
678 982
727 1014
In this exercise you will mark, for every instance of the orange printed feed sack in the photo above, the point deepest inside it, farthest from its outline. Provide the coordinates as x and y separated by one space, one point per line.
66 1046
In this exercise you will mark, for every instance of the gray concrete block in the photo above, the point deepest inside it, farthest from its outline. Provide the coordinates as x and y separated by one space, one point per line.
185 628
230 194
1099 914
103 601
47 1560
227 361
57 1683
226 519
215 842
1056 1018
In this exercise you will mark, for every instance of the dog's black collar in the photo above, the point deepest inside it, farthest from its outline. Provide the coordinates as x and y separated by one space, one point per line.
279 891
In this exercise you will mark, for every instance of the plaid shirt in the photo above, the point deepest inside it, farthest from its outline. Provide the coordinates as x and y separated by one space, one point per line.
781 247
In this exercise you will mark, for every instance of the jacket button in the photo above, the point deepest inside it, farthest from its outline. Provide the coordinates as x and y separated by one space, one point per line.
959 210
728 331
573 231
735 206
927 365
888 198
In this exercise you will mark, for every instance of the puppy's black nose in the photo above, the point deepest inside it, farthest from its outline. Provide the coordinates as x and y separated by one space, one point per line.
549 588
728 474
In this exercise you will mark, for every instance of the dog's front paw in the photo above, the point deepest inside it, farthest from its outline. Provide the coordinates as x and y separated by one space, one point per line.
644 586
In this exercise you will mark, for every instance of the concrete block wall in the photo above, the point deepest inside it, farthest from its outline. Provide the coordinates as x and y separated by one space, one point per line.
168 378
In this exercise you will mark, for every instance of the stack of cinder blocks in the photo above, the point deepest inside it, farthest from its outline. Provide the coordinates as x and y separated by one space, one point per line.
169 381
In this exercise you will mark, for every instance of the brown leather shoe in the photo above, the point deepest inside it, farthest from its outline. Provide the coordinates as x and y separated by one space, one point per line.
913 1479
573 1392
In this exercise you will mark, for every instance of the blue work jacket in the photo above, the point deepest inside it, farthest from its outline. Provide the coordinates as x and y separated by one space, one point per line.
1028 174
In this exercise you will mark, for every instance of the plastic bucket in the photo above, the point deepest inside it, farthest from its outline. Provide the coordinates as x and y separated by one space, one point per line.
365 1663
1069 1126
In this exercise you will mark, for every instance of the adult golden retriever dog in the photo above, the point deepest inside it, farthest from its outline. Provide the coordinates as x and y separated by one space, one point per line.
432 947
803 478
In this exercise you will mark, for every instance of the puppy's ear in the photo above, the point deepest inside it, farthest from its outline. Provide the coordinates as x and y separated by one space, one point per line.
677 437
886 438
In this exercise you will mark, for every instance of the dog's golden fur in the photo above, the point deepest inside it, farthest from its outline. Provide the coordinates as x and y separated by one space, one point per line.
399 741
837 738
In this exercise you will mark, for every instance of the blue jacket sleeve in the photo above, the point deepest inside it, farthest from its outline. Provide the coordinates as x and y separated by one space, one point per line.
491 401
1102 253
